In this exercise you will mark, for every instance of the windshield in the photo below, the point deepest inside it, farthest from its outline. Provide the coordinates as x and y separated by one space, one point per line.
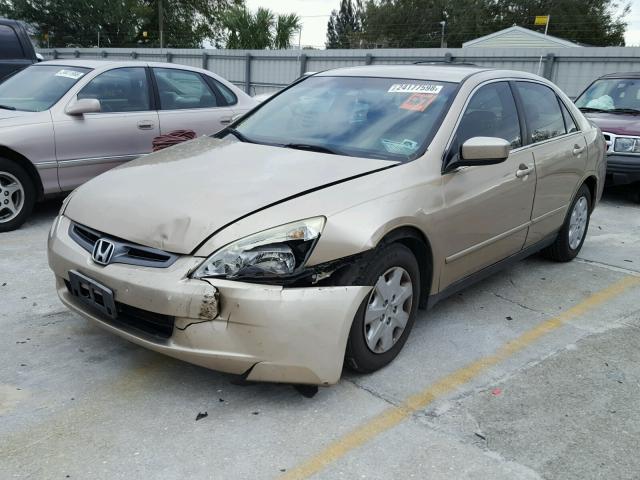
38 87
366 117
613 94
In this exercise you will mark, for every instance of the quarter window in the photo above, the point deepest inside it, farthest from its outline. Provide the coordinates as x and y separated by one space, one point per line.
120 90
182 89
490 113
11 48
569 124
542 111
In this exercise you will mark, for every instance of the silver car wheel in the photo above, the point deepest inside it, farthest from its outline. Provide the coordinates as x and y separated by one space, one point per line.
578 222
11 197
388 310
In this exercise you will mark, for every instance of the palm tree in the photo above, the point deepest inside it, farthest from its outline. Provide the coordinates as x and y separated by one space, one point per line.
286 27
259 30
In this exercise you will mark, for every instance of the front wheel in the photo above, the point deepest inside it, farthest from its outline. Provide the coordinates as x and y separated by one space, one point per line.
574 230
17 195
385 317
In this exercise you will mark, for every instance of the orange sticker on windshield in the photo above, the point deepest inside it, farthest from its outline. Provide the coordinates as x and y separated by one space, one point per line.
418 102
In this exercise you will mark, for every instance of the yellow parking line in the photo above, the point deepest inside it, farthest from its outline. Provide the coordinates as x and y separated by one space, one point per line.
395 415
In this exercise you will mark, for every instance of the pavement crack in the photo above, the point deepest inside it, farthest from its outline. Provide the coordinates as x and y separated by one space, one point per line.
521 305
375 393
608 266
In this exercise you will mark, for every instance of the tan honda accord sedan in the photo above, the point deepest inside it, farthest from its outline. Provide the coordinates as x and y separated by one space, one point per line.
307 234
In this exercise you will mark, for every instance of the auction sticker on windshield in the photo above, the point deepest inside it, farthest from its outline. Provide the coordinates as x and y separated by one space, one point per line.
418 102
75 75
414 88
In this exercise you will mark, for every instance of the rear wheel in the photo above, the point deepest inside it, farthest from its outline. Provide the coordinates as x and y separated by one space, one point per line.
385 317
17 195
574 230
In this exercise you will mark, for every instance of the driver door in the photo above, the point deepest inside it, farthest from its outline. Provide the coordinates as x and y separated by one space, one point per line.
89 144
488 207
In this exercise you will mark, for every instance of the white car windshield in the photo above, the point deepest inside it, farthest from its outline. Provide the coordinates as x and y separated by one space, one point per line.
38 87
386 118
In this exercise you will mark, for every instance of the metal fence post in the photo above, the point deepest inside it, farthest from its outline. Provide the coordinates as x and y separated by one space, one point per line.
205 61
247 73
103 54
448 58
548 66
368 59
54 54
169 56
303 63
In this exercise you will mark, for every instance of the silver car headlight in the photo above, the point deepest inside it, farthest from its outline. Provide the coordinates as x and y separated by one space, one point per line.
627 145
275 252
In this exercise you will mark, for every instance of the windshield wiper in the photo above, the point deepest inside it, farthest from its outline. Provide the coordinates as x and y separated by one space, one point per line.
311 148
591 109
7 107
238 135
633 111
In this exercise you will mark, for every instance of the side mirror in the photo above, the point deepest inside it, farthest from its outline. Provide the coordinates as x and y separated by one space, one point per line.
39 57
481 151
83 105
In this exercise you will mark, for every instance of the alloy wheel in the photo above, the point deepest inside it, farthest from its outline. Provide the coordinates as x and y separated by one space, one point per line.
11 197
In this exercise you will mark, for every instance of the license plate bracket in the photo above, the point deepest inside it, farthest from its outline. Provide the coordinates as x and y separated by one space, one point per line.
93 294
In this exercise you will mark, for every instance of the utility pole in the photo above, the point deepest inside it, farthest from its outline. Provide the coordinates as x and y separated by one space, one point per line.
442 44
160 21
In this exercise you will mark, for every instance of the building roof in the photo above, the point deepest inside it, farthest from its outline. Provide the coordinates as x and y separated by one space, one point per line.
519 37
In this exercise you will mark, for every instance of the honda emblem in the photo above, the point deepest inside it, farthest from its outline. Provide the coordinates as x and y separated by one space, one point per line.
103 251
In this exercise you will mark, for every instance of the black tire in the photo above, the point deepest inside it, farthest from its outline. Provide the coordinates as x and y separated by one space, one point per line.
560 250
359 356
10 170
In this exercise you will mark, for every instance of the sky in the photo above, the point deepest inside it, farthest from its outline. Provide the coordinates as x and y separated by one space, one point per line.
315 15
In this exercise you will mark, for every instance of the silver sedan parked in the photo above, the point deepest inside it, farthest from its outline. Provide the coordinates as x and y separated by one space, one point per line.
63 122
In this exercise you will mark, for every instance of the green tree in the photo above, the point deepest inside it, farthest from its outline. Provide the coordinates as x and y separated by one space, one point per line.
345 25
590 22
416 23
259 30
121 23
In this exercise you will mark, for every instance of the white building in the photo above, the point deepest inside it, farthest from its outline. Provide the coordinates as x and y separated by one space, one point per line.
518 37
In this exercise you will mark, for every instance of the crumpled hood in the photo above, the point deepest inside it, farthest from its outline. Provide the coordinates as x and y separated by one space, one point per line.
176 198
618 124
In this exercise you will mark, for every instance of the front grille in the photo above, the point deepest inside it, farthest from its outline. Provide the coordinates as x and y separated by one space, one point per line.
132 318
124 252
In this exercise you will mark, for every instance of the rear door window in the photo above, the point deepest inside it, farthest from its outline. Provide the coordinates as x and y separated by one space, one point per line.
182 89
542 111
10 47
120 90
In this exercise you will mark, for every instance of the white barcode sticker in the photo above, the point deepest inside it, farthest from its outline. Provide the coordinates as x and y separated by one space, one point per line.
414 88
69 74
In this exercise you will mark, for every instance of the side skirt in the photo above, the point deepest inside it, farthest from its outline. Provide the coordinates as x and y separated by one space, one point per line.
490 270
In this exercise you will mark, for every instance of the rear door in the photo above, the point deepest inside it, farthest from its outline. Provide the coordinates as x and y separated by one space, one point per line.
488 207
90 144
560 154
187 101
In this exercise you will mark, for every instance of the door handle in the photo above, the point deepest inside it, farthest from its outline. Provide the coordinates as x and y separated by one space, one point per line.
226 120
145 125
577 150
523 171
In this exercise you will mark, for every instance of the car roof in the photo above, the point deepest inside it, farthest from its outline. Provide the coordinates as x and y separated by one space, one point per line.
622 75
442 72
102 64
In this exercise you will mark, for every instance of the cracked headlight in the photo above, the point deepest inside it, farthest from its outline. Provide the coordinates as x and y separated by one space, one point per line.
279 251
627 145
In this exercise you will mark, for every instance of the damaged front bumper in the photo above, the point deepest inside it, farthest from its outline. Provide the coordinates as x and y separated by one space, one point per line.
265 332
